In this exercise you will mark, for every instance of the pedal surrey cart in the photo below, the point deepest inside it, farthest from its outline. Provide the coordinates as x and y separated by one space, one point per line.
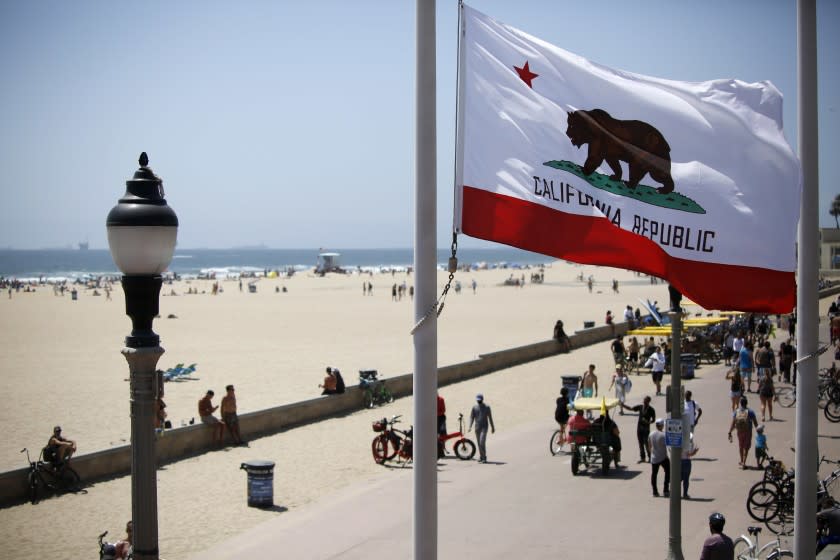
593 444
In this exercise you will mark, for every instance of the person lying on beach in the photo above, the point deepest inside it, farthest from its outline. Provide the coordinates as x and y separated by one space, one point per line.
59 449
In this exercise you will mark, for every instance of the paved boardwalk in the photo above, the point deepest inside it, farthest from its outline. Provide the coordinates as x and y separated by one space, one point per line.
526 504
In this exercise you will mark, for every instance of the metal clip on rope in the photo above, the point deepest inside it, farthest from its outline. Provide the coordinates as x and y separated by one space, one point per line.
814 354
437 306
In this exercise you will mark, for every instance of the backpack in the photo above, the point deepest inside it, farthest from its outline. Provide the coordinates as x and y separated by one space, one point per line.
742 419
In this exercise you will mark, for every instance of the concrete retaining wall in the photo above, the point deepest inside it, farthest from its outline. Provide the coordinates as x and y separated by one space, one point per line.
187 441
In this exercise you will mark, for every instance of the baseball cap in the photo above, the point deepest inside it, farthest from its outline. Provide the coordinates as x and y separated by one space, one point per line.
479 397
660 421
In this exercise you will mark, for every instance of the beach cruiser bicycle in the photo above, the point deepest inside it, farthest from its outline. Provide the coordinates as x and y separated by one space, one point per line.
828 394
391 443
771 500
375 392
48 476
747 549
463 447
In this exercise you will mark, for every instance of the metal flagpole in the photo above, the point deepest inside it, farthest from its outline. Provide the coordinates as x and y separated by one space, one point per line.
424 534
807 331
674 503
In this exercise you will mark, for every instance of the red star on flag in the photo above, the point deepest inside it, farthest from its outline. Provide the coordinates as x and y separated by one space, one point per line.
525 74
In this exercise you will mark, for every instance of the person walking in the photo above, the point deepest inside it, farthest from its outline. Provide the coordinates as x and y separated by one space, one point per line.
589 383
441 425
647 414
718 546
736 386
657 362
689 450
743 420
482 416
745 363
766 393
693 410
728 350
659 459
760 447
618 350
785 360
622 385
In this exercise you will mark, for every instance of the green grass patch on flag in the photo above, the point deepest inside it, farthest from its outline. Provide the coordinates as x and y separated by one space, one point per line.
642 193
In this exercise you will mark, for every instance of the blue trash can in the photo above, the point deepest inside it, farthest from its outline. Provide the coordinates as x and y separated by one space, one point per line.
260 483
687 363
571 383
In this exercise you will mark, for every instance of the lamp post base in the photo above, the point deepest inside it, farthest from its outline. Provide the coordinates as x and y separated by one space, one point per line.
142 363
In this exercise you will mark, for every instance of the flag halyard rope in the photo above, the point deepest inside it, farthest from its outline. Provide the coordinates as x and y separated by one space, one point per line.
437 306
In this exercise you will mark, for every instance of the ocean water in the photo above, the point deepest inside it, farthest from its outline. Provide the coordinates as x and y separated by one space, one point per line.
69 263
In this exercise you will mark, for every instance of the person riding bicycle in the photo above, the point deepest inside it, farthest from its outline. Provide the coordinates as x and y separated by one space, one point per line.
609 426
578 423
58 449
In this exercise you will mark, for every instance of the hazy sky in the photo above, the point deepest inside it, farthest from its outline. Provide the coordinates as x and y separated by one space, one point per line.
291 123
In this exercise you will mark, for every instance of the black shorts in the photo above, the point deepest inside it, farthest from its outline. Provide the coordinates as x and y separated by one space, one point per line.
656 376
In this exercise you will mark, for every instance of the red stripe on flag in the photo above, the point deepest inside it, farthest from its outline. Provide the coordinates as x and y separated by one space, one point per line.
590 240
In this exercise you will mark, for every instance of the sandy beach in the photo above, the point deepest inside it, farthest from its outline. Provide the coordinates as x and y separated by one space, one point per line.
62 365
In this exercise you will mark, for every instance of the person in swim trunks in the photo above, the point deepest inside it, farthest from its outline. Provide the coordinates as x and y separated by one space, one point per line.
589 383
229 416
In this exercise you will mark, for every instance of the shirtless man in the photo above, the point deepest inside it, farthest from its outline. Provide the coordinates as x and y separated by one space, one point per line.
229 416
589 383
59 448
330 383
205 412
589 386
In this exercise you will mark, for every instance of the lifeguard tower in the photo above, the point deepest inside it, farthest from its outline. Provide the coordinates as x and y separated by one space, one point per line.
328 262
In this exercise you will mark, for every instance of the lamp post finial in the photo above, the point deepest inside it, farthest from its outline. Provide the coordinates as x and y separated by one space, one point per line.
144 160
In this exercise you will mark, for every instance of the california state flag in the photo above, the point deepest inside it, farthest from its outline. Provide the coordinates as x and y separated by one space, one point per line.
692 182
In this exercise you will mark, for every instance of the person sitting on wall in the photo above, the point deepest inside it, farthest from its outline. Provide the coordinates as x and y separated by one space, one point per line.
58 449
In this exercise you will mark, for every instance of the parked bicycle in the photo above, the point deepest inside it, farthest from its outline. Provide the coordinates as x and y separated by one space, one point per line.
828 394
375 392
747 549
44 475
771 500
391 443
464 448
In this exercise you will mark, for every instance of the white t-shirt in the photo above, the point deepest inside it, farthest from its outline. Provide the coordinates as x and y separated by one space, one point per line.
691 410
737 344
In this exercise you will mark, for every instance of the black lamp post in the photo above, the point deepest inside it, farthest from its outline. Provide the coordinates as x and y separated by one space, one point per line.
142 231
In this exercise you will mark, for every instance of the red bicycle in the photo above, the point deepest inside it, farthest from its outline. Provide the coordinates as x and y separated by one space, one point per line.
391 442
463 447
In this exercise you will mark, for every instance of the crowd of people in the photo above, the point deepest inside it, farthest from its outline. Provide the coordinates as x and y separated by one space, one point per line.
753 366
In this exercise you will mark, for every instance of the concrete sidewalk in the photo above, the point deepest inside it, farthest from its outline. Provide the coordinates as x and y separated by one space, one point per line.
525 503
